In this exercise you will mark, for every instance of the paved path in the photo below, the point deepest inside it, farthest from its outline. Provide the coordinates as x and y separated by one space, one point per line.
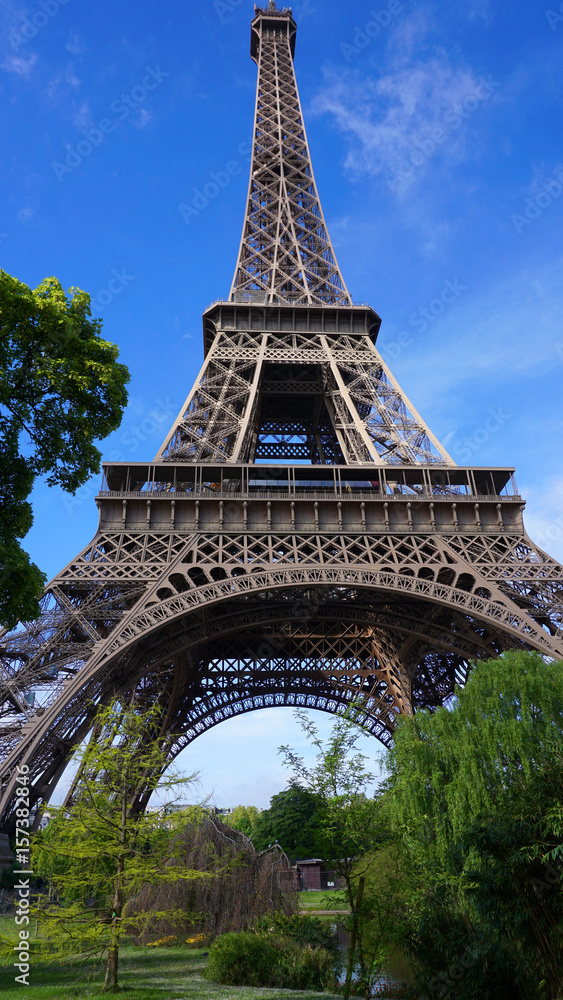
323 913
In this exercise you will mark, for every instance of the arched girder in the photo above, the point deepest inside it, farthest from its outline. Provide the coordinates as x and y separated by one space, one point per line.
496 609
116 662
415 621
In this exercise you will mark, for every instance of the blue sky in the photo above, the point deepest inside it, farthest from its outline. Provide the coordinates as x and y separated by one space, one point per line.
435 130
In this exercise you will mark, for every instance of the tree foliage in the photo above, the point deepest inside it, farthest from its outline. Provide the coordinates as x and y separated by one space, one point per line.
515 865
289 821
61 389
345 825
453 765
243 818
475 799
98 853
350 835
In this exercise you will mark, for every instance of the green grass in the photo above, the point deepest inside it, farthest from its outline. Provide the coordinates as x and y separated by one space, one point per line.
145 974
315 899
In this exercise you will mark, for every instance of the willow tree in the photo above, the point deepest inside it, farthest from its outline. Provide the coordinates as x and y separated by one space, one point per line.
452 766
474 797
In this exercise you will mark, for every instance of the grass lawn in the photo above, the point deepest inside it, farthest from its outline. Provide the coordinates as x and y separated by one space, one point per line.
145 974
315 899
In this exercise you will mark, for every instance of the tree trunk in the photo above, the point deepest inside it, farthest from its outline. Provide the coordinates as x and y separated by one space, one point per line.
110 982
352 949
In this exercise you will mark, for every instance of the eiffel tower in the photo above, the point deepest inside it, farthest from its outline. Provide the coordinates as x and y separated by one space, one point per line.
301 538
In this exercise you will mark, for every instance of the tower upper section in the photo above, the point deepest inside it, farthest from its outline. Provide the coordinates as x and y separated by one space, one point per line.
285 253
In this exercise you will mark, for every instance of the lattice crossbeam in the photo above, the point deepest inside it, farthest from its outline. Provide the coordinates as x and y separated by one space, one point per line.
357 409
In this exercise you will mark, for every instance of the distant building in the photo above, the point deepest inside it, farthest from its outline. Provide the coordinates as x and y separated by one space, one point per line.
316 874
171 808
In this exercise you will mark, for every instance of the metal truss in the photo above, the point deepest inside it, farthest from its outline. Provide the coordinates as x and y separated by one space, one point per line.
324 398
285 252
372 571
228 622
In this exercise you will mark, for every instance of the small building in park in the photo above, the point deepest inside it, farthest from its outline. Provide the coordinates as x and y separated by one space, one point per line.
316 874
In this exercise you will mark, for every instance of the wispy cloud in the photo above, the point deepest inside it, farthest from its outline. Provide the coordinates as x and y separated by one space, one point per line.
83 117
20 65
544 515
64 82
419 106
74 45
26 214
490 339
142 118
478 8
390 118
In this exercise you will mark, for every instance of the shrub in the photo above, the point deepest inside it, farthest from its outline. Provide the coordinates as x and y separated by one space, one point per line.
247 959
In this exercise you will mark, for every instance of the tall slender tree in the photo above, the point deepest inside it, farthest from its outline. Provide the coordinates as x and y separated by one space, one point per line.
97 853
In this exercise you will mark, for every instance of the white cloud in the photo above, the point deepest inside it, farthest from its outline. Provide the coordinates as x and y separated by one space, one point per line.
486 335
478 8
73 45
543 516
83 117
142 118
63 82
419 108
20 65
392 121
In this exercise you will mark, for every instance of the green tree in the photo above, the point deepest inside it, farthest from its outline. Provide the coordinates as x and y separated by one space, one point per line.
289 821
98 853
61 389
514 874
448 767
474 798
243 818
349 835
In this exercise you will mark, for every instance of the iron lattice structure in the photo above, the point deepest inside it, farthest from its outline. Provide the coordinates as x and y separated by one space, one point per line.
301 538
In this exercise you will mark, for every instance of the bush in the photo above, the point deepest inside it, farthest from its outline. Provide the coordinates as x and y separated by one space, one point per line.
454 959
247 959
